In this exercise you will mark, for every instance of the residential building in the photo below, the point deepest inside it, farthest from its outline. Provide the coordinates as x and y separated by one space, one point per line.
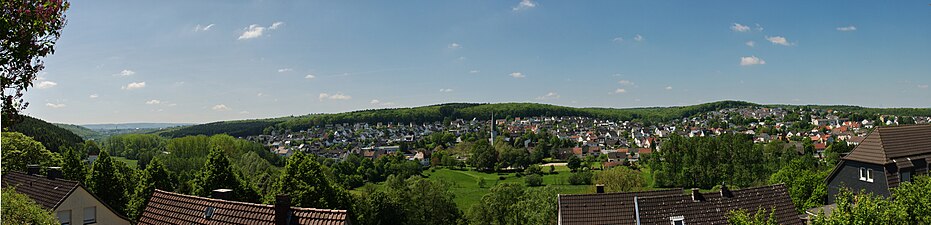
886 157
68 200
173 208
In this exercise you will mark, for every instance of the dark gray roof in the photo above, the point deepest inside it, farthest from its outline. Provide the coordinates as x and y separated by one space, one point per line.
886 144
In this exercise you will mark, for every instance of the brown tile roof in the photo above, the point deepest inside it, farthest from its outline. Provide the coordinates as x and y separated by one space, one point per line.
173 208
887 143
656 207
608 208
48 193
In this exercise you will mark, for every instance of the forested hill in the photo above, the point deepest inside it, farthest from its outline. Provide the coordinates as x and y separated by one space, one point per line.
51 136
83 132
446 111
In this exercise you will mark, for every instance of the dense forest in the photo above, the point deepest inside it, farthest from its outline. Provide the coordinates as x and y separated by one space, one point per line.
51 136
83 132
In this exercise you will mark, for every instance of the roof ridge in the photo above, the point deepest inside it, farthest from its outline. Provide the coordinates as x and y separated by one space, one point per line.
246 203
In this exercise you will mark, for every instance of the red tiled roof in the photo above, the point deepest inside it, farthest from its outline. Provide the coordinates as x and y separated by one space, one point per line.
47 192
173 208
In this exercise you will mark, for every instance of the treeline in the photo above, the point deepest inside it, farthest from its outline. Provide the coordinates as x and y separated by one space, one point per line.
51 136
704 162
445 112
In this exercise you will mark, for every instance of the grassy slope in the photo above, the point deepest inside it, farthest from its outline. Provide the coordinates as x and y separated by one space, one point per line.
84 132
129 162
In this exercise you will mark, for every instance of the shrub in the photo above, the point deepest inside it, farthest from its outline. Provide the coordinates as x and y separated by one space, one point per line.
534 180
501 177
534 169
581 178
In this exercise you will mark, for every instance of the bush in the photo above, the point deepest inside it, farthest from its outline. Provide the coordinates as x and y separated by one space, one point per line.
581 178
534 180
534 169
501 177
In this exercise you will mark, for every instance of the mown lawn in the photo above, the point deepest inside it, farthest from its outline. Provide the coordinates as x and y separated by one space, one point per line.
132 163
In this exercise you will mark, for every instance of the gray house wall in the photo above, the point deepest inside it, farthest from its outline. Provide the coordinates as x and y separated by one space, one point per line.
849 176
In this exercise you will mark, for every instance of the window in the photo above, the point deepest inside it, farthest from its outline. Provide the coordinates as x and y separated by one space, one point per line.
64 217
906 176
90 215
869 175
862 174
677 220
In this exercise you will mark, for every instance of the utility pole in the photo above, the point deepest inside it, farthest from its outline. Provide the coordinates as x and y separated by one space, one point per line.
492 128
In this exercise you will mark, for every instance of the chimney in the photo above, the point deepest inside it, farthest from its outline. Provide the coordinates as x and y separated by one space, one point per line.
224 194
725 192
32 169
282 209
53 173
599 188
696 195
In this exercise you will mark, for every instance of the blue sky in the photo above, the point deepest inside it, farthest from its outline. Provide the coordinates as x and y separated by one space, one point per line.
201 61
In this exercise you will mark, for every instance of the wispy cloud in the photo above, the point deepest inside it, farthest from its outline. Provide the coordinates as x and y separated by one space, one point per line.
474 71
618 39
751 60
638 37
517 75
847 28
126 73
525 4
668 88
750 43
310 76
336 96
740 27
620 91
200 28
134 85
153 102
380 103
55 106
285 70
220 107
446 90
779 40
923 86
549 96
45 84
625 82
454 46
255 31
93 96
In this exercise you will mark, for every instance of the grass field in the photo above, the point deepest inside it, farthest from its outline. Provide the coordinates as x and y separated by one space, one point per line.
129 162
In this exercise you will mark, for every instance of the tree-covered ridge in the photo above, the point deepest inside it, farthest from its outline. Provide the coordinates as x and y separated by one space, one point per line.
50 135
82 132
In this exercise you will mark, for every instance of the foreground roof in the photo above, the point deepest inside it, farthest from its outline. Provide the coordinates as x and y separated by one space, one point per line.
657 207
173 208
889 144
49 193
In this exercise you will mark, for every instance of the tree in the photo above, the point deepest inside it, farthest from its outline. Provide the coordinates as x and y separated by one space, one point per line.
619 179
430 202
574 163
73 167
484 157
217 173
742 217
538 206
307 185
106 182
534 180
498 207
155 176
20 150
31 29
20 209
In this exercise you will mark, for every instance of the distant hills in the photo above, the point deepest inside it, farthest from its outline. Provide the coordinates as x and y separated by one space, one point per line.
123 126
440 112
51 136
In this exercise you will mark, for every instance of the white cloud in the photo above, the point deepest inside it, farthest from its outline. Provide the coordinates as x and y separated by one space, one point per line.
52 105
638 38
517 75
779 40
134 85
668 87
220 107
243 112
625 82
620 91
253 31
46 84
750 43
374 102
454 46
446 90
618 39
126 73
336 96
550 95
525 4
378 102
759 28
93 96
276 25
284 70
847 28
310 76
751 60
923 86
199 28
153 102
740 27
474 71
259 94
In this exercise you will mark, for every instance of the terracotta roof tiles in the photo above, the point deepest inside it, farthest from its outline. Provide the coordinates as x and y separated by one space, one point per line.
173 208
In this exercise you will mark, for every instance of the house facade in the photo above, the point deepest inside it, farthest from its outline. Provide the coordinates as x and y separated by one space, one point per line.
68 200
886 157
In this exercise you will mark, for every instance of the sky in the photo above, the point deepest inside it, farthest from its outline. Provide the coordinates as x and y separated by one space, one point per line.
203 61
